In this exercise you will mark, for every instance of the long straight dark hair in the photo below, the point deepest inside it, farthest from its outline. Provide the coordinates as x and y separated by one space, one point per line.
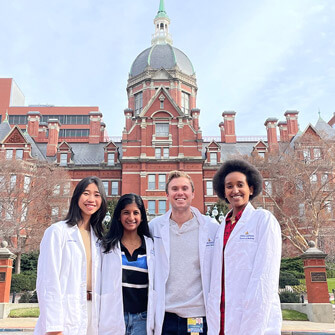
74 216
115 231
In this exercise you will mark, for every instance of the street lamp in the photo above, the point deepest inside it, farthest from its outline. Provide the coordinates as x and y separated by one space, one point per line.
221 217
107 219
215 212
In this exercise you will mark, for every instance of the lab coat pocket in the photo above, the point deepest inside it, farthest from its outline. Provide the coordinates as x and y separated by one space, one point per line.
111 314
71 308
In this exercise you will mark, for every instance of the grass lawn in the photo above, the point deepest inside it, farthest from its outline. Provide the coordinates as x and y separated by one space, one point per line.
25 313
331 284
291 315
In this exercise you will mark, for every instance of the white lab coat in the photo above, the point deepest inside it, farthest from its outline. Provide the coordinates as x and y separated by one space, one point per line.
160 230
111 320
61 281
252 262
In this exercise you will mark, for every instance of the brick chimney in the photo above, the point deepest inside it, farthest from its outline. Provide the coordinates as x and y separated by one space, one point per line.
229 126
53 125
95 122
223 138
33 123
271 129
283 131
42 132
292 123
195 112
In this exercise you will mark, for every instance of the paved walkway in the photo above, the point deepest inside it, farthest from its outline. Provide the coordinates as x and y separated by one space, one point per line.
289 327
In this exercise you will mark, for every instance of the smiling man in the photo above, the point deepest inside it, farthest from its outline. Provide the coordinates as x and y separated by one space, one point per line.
183 242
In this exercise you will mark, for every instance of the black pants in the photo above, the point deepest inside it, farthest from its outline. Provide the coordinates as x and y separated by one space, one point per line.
175 325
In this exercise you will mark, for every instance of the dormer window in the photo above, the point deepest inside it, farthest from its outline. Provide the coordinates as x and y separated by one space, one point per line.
111 159
63 160
213 158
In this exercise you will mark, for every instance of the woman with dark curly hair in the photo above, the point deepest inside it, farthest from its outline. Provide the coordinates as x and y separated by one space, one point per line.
245 274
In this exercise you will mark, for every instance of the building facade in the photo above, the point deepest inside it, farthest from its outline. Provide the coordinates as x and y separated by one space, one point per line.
161 132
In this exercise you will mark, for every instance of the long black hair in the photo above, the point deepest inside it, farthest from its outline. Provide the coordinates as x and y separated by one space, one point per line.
74 216
115 231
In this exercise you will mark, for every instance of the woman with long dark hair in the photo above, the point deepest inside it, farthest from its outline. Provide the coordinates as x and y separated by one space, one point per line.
127 272
69 265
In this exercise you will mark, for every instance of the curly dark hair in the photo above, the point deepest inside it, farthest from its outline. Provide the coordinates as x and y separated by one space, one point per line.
253 177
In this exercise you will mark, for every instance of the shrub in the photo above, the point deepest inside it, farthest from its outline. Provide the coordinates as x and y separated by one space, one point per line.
293 265
29 262
25 297
299 288
23 282
291 297
287 278
33 299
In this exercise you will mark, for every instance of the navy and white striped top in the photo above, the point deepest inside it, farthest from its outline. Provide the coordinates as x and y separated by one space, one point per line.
135 279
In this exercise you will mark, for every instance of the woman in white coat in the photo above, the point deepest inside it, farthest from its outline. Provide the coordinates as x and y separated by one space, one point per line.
69 265
127 305
244 297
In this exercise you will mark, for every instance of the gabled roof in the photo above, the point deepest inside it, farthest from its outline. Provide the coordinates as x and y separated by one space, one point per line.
260 144
324 129
15 135
213 143
4 130
161 90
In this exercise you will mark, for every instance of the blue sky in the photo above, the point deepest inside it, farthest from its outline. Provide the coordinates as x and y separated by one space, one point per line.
258 58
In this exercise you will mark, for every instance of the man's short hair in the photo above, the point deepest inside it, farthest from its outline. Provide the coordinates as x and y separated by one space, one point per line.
178 174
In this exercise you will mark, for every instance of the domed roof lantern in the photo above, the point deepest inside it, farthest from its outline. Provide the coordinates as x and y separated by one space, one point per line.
162 22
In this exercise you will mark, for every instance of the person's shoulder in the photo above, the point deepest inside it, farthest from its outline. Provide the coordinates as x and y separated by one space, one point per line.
265 217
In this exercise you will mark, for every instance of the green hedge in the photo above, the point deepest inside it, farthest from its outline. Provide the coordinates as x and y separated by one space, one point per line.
290 297
23 282
288 278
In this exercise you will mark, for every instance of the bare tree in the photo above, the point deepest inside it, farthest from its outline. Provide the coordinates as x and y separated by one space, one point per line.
30 194
299 188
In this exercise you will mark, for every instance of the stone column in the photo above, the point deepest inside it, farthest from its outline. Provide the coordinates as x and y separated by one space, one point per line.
315 274
6 265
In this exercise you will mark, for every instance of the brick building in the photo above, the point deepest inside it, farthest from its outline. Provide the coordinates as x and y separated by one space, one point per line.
161 132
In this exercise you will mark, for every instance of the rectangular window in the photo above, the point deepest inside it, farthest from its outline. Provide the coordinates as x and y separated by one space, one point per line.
67 187
151 207
138 103
313 178
56 190
19 154
328 207
151 182
115 187
111 159
317 153
213 158
10 211
162 129
307 155
185 103
63 160
9 154
158 153
161 206
301 210
26 184
268 187
166 152
162 104
324 178
161 181
54 212
24 212
209 187
12 182
105 183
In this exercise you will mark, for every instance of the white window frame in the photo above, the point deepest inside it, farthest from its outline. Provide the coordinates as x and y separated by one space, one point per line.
106 186
63 159
151 182
111 159
161 207
158 153
162 129
161 181
213 158
151 207
209 187
115 188
19 153
9 153
26 184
